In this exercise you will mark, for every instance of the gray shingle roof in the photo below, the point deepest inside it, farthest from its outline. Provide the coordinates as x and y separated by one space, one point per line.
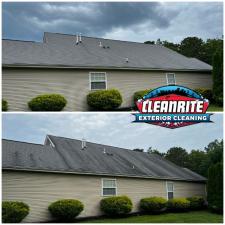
60 50
68 156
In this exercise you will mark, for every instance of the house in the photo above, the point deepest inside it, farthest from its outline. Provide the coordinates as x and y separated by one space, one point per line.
67 168
73 66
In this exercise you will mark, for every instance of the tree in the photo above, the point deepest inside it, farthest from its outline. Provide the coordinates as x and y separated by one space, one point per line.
215 151
177 155
155 151
149 42
197 161
192 47
218 77
172 46
215 188
209 49
138 149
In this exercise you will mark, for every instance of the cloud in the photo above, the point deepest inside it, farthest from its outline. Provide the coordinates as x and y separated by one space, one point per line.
119 20
114 129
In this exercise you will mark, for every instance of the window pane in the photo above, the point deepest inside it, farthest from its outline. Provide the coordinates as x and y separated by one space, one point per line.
109 183
98 77
171 78
109 191
98 85
170 187
170 195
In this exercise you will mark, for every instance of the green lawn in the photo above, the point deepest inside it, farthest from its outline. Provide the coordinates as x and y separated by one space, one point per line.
215 108
188 217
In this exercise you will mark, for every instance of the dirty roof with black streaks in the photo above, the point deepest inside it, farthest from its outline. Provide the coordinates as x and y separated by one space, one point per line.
65 155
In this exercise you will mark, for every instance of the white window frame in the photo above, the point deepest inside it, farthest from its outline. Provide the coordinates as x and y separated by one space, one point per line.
167 79
104 187
93 72
167 182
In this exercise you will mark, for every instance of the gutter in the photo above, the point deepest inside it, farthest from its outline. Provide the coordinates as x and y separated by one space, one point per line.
103 174
99 67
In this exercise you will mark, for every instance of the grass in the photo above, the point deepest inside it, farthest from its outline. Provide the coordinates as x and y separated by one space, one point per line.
215 108
187 217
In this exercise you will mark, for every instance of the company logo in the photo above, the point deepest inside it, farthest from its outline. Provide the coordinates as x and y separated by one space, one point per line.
172 107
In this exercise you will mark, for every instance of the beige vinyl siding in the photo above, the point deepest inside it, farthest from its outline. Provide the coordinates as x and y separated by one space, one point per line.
38 190
184 189
21 85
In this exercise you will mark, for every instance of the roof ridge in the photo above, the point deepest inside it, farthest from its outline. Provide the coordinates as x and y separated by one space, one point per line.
8 39
25 142
100 38
126 149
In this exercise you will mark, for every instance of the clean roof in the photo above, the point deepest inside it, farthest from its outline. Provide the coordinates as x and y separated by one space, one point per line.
67 156
61 50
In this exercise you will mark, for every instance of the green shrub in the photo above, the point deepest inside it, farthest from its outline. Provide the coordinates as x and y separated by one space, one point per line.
66 209
47 102
140 94
215 188
104 99
153 204
4 105
196 202
116 206
178 205
206 93
14 212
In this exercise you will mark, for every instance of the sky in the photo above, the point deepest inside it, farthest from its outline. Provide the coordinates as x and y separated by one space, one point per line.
130 21
115 129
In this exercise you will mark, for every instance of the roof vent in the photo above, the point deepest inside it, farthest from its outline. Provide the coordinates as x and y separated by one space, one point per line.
80 38
104 151
133 167
127 60
110 154
77 39
83 144
100 44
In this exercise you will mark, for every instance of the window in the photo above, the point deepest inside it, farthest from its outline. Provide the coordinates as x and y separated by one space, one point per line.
170 77
97 80
170 190
108 187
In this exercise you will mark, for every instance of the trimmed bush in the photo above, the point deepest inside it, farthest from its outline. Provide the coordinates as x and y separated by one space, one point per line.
178 205
197 202
66 209
14 212
153 204
47 102
215 188
4 105
206 93
116 206
140 94
104 99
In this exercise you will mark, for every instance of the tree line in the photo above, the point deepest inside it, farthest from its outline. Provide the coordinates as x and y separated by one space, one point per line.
194 47
197 160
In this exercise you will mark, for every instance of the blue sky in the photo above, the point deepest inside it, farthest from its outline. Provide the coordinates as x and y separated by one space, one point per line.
110 129
130 21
